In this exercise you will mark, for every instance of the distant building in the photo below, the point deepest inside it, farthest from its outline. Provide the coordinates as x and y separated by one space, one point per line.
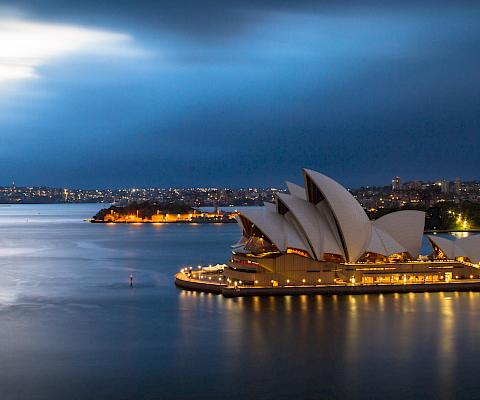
457 185
445 185
414 185
396 184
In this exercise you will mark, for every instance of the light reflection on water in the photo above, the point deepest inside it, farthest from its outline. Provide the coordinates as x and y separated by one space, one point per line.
460 235
414 344
70 327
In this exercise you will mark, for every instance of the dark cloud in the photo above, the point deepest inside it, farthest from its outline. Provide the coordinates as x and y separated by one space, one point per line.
248 92
209 19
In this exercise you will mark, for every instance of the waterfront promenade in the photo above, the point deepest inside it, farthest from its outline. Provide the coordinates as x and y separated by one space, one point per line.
183 281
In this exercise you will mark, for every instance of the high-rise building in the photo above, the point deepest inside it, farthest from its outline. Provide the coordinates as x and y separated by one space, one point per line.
457 185
396 184
445 185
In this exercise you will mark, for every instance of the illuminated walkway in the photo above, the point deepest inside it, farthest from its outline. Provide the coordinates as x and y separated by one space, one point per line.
183 281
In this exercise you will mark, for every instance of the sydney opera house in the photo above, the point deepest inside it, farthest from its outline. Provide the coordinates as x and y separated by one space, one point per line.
319 235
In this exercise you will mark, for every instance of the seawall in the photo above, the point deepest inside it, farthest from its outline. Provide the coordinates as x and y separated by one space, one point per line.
229 291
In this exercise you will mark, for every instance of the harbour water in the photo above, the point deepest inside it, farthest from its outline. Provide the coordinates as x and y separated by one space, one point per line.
72 328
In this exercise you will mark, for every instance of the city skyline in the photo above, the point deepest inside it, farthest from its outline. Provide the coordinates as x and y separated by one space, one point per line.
396 195
398 185
188 94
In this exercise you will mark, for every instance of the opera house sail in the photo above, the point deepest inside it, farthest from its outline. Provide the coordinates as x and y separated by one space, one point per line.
319 235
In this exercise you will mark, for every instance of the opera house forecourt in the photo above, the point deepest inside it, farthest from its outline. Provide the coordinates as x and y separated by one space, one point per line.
318 239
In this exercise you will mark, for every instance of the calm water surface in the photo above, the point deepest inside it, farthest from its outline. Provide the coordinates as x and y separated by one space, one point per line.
71 328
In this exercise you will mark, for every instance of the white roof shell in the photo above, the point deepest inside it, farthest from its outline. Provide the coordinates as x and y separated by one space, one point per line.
382 243
405 227
296 190
270 223
270 206
471 246
446 245
353 222
311 224
464 247
332 242
276 228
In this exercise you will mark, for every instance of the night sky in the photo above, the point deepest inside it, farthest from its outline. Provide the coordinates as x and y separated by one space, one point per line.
237 93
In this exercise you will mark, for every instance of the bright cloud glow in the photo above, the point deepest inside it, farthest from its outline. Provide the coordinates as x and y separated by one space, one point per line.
25 46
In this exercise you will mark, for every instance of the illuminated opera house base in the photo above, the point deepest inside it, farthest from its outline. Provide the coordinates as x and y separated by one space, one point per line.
318 239
409 277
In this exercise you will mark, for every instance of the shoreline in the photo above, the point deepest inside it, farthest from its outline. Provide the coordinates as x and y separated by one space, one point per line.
161 222
183 282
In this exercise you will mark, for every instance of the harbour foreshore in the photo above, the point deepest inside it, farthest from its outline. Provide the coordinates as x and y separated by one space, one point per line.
158 222
183 281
